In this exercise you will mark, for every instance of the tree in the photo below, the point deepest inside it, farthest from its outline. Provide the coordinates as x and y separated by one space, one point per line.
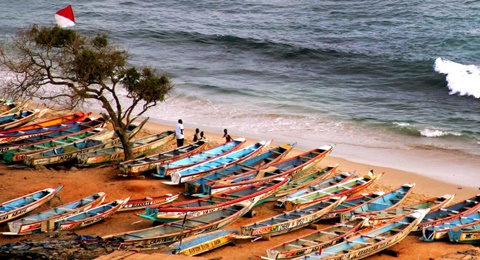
70 70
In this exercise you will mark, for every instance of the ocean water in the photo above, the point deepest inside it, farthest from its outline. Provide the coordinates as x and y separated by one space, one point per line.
398 76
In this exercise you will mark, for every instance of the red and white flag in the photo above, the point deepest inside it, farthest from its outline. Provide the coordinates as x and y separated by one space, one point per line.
64 17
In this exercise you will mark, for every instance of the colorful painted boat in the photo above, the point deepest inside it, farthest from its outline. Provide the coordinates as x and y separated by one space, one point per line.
259 192
20 206
174 231
164 170
315 241
149 163
69 151
290 220
371 240
202 243
86 218
140 147
42 128
453 211
139 204
22 117
84 126
434 204
383 201
9 107
224 161
263 160
465 235
440 231
33 223
290 167
351 186
307 180
18 155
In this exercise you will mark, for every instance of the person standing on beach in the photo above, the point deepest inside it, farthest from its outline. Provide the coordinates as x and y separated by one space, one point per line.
179 133
196 136
227 137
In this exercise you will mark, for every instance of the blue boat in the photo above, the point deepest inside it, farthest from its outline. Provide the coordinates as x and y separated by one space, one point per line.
20 206
165 170
223 161
467 234
381 201
292 167
371 240
453 211
263 160
33 223
9 121
440 230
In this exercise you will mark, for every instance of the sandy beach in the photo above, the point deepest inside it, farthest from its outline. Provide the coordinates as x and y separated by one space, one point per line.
83 182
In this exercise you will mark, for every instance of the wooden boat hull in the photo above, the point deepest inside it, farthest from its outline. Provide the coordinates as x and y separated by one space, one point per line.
140 147
69 152
261 161
165 170
370 241
42 128
224 161
258 192
440 231
345 188
202 243
18 207
290 220
33 223
149 163
174 231
20 118
465 236
139 204
315 241
85 218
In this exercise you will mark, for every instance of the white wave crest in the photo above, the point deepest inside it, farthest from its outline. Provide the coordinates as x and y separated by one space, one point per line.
436 133
463 80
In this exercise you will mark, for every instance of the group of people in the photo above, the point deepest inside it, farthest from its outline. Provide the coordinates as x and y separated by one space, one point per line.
197 136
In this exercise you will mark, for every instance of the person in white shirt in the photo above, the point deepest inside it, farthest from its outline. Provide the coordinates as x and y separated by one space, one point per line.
179 133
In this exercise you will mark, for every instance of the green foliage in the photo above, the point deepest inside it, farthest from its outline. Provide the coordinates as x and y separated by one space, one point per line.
146 85
53 37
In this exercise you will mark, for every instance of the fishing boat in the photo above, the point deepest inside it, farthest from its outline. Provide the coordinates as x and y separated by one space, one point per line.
465 234
314 241
453 211
140 147
263 160
224 161
290 220
149 163
346 188
9 107
139 204
433 204
370 240
45 127
18 155
174 231
68 152
85 218
20 206
164 170
33 223
381 201
17 119
440 230
307 180
88 125
258 192
202 243
290 167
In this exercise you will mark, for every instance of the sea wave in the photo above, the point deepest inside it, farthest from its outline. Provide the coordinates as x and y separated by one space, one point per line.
463 80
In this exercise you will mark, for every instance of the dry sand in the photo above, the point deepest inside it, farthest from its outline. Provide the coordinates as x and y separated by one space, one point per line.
83 182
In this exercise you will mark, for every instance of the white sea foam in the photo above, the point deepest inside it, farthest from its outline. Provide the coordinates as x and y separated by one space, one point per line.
436 133
463 80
